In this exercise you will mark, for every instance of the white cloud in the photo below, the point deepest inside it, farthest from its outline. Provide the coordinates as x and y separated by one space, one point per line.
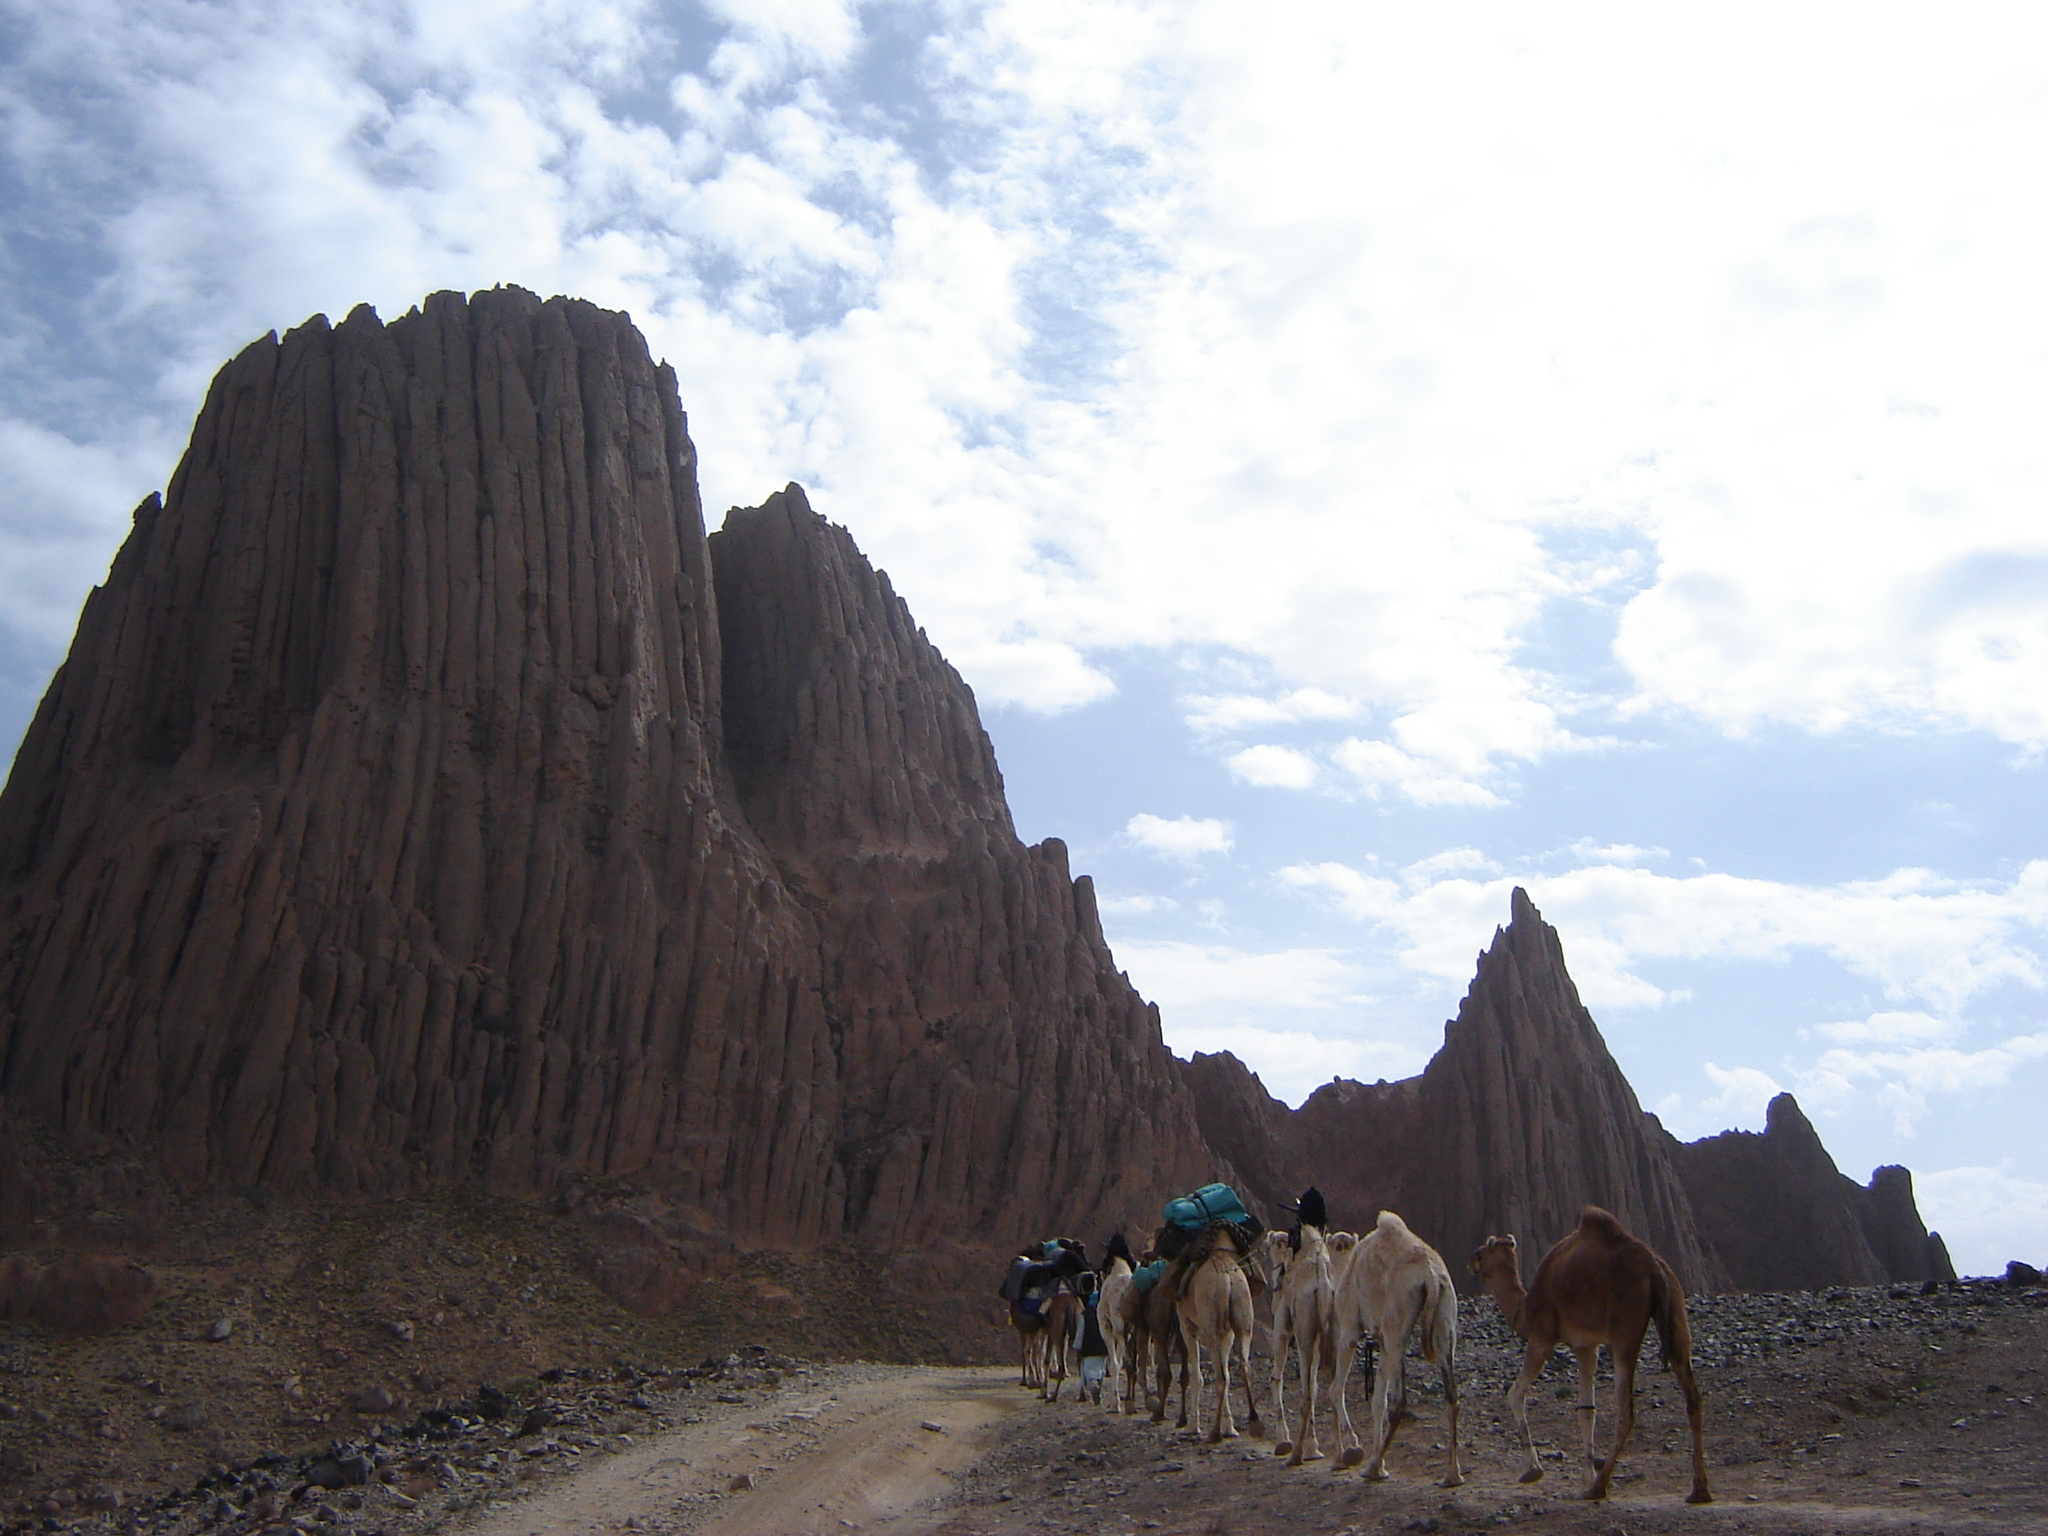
1986 1216
1224 713
1586 851
1923 938
1904 1079
1185 837
1745 1092
995 324
1134 906
1293 1063
1269 767
1890 1028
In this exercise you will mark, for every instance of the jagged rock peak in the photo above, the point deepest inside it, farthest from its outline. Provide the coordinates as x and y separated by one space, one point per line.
845 726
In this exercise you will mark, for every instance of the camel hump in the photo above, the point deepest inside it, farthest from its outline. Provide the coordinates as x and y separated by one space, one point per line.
1390 1223
1595 1222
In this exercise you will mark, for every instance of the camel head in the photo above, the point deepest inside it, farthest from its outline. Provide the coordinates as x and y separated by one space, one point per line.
1497 1259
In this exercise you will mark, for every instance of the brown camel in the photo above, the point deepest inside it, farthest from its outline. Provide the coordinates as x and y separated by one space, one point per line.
1599 1285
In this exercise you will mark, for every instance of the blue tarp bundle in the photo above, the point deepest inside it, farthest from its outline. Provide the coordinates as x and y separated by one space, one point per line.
1212 1202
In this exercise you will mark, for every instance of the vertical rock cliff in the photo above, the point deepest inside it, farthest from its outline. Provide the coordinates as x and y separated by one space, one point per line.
380 831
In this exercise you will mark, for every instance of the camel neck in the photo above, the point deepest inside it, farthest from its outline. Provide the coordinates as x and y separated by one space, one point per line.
1509 1296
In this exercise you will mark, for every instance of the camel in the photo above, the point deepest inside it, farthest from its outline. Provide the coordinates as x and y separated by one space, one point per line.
1393 1284
1155 1341
1116 1285
1302 1269
1215 1309
1597 1285
1062 1311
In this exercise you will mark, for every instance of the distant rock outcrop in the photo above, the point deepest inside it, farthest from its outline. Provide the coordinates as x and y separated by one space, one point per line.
1782 1217
1523 1116
1518 1121
381 832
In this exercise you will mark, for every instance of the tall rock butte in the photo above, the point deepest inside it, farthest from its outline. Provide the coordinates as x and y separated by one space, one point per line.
415 809
426 802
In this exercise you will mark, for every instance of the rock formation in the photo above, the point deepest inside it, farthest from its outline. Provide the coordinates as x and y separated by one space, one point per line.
381 832
1523 1117
1782 1217
1518 1121
427 802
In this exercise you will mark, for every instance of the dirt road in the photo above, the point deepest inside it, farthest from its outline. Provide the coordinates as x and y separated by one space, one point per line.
864 1448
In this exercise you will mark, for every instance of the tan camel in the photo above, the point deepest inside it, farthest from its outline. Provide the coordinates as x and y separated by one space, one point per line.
1598 1285
1302 1271
1394 1284
1117 1285
1215 1308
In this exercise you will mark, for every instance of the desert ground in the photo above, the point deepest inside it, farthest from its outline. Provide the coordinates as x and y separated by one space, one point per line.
1851 1410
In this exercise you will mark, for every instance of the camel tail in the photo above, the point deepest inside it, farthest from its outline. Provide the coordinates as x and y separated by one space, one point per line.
1667 1309
1439 1314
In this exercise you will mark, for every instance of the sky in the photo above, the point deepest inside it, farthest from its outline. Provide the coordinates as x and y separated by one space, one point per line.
1363 457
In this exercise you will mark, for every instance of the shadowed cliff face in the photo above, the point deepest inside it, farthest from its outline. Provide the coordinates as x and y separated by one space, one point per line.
1784 1218
379 832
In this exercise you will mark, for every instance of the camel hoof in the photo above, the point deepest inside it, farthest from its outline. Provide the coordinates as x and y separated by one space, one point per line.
1352 1457
1533 1475
1312 1456
1699 1496
1452 1482
1594 1494
1282 1447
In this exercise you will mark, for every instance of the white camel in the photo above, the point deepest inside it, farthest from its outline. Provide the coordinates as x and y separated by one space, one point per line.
1394 1282
1303 1267
1111 1310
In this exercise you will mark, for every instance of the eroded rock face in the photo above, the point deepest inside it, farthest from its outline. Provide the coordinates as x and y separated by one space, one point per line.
380 831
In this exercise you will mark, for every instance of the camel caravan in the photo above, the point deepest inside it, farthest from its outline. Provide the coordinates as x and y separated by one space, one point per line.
1338 1301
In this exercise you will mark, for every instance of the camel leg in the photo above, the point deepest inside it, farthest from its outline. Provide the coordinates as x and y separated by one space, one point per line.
1518 1402
1253 1424
1305 1447
1224 1425
1695 1415
1589 1408
1624 1414
1448 1366
1352 1452
1190 1367
1283 1340
1389 1398
1161 1346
